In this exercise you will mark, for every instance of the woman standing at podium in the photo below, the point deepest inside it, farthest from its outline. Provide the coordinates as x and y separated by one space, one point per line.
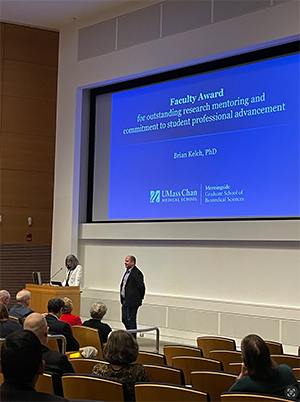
74 271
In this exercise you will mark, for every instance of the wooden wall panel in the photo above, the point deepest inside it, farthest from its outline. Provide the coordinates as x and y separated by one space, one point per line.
1 76
1 54
26 189
0 106
17 263
2 31
28 74
26 80
31 45
14 225
29 116
27 152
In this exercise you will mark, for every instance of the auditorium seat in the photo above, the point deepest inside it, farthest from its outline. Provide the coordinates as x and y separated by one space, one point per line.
192 363
53 342
165 374
207 343
244 397
78 386
235 367
151 357
88 337
158 392
45 383
180 350
213 382
226 357
83 365
275 348
12 318
290 360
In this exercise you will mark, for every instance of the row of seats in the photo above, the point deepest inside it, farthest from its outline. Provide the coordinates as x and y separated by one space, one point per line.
186 365
85 386
89 387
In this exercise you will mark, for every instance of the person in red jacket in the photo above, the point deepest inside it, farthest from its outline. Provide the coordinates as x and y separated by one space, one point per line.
67 316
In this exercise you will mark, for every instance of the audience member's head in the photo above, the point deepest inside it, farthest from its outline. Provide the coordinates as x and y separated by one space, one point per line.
71 261
257 359
23 297
3 312
56 306
21 357
98 310
4 297
37 323
68 306
121 348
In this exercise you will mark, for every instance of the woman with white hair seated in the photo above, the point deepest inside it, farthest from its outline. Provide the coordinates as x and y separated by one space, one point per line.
97 312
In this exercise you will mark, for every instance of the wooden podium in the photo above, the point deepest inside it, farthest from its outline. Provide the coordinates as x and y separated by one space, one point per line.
40 295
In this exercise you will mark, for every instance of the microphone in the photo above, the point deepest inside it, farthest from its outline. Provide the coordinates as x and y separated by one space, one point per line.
56 273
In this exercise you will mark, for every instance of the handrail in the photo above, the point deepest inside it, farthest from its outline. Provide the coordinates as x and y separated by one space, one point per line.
134 331
63 339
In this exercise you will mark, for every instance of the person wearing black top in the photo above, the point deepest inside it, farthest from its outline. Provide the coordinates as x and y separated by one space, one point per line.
20 372
21 309
7 326
98 311
132 292
55 362
57 327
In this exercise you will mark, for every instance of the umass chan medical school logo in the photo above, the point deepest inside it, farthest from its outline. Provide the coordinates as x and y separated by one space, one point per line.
154 196
182 195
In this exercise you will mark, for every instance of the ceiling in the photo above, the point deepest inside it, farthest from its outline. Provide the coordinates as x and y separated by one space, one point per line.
51 14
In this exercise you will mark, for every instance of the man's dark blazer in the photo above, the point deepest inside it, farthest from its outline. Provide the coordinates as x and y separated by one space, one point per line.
20 392
134 289
103 329
20 311
57 327
56 362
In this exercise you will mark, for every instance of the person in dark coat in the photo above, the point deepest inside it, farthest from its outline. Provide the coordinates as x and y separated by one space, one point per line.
98 311
55 362
21 309
7 326
21 372
132 292
57 327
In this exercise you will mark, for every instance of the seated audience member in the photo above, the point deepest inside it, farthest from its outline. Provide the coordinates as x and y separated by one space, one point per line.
97 312
121 352
4 297
21 364
55 362
260 374
67 316
57 327
7 326
21 308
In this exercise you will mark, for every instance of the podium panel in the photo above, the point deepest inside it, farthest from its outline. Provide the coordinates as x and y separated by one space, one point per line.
40 295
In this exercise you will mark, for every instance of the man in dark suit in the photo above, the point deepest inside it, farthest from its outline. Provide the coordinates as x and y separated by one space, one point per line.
132 292
55 362
21 309
57 327
21 364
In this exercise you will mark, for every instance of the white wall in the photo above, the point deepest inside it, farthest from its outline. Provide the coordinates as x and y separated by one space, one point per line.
202 278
